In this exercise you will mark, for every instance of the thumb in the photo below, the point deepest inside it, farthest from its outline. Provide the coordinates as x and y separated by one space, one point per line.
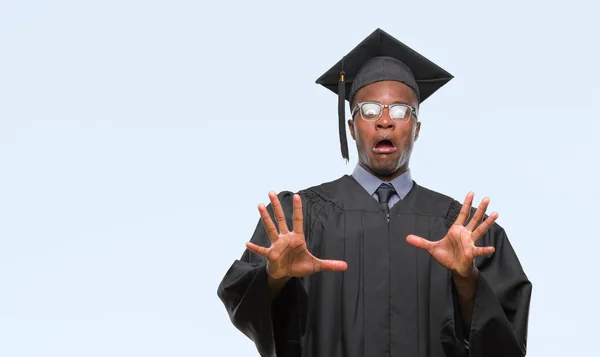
419 242
330 265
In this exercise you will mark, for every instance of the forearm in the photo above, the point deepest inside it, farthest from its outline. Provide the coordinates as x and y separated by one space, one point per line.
276 285
466 287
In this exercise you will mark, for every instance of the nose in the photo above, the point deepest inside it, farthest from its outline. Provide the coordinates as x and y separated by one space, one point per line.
385 122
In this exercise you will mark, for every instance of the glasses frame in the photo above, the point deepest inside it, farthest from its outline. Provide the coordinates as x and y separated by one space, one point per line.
358 106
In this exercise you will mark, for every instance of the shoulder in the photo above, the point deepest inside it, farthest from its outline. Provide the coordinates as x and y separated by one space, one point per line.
442 205
432 196
314 195
432 203
324 192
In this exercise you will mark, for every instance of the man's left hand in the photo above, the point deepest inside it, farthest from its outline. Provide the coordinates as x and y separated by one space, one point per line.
457 250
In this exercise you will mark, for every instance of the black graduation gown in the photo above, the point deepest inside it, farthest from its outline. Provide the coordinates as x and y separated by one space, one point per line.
393 300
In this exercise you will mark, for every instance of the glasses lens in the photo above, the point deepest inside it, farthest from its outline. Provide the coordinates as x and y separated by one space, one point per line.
399 112
370 110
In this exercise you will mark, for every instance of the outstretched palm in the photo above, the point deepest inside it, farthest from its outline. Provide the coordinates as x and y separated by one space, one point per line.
288 255
457 250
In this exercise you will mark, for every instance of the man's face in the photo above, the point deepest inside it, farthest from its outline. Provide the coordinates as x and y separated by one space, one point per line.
384 146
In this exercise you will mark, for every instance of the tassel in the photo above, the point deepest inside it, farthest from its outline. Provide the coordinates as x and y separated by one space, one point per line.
342 115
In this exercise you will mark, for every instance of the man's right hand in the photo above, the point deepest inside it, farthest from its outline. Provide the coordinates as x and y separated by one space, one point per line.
288 255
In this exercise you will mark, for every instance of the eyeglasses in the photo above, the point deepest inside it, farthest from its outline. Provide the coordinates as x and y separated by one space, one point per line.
371 111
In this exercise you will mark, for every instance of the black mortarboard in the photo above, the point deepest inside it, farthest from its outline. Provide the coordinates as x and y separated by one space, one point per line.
380 57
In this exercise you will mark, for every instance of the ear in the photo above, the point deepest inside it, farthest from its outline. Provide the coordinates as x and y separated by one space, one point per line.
351 127
417 130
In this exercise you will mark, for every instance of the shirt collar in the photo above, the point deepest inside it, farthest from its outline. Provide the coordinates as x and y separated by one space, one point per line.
402 184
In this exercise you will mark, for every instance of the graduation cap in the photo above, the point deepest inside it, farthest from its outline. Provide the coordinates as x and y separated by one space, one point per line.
380 57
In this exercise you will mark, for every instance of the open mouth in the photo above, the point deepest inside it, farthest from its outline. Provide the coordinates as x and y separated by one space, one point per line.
384 146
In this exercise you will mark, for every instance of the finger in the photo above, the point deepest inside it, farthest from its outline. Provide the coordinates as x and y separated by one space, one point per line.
484 227
262 251
420 242
279 215
482 251
268 223
298 218
465 210
479 214
330 265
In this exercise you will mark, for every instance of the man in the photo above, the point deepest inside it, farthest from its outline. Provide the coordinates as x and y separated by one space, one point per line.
374 264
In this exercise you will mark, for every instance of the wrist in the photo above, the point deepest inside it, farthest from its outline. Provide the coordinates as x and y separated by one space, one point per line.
274 276
465 275
281 280
276 284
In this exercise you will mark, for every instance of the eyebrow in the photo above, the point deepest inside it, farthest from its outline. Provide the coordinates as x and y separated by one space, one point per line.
374 101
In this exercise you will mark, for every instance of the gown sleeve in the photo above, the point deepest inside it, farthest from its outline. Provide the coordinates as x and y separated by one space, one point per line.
501 309
275 326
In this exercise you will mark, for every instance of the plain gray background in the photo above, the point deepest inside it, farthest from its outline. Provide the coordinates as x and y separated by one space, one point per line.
138 137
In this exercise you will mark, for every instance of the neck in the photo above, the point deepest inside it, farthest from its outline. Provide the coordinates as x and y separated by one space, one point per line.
401 170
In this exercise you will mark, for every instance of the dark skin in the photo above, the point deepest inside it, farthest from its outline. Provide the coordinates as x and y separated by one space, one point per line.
366 134
288 255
